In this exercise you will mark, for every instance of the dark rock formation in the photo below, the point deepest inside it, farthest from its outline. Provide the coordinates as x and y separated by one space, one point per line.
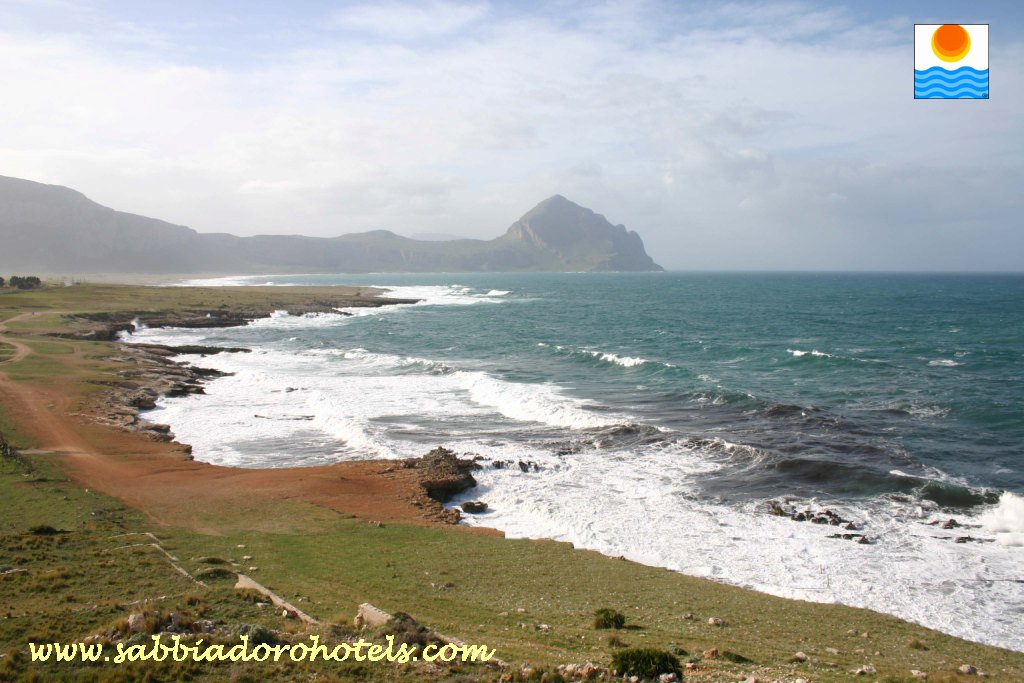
444 474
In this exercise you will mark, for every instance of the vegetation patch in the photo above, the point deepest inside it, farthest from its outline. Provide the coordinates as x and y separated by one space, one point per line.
608 618
645 663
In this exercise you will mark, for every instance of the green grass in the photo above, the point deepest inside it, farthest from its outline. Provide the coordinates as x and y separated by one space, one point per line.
90 576
48 303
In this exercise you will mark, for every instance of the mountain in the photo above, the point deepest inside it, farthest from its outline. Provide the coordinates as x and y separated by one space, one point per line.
53 229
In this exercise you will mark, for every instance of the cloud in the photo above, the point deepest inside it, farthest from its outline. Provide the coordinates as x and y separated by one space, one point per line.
404 21
738 136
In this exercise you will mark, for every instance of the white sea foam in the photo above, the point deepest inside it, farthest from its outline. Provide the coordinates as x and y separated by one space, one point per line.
426 295
944 362
1006 520
609 357
624 361
926 410
541 403
797 353
616 503
231 281
354 402
497 292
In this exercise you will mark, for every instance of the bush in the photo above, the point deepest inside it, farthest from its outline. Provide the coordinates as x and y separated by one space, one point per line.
608 618
408 631
645 663
1 282
26 282
258 635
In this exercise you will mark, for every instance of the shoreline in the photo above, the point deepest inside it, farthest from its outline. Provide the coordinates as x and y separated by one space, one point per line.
421 483
824 516
151 474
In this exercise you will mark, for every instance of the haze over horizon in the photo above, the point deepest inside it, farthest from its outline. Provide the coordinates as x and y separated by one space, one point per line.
767 135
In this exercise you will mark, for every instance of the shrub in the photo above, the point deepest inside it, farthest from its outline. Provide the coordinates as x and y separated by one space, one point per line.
1 282
645 663
26 282
258 635
608 618
408 631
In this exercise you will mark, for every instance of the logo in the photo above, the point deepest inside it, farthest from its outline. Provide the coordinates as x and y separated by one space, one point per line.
951 61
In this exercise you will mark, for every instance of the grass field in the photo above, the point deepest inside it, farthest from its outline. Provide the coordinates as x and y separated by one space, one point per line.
534 601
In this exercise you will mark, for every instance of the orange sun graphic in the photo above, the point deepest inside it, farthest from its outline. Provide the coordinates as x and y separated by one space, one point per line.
951 42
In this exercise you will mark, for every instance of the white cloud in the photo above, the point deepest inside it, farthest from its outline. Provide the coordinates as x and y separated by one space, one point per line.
406 20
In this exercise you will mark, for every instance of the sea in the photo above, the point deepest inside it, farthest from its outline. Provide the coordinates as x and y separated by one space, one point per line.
663 417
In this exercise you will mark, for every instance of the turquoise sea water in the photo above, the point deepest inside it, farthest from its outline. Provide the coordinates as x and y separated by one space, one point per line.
666 411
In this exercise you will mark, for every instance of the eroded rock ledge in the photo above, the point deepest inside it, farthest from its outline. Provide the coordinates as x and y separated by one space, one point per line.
148 373
441 475
106 326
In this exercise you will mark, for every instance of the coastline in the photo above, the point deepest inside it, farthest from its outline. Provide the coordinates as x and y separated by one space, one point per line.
144 468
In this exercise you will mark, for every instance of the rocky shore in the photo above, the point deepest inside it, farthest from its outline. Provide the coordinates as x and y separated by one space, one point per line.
441 475
147 375
106 326
148 371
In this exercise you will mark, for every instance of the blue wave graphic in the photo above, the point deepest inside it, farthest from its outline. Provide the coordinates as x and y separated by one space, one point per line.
961 94
962 69
963 83
947 79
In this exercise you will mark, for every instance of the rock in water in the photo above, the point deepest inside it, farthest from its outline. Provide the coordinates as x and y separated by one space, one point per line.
444 474
474 507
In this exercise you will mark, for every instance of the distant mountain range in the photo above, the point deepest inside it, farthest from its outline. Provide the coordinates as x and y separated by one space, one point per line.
53 229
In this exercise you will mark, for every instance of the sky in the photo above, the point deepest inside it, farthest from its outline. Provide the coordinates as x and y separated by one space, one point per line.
731 136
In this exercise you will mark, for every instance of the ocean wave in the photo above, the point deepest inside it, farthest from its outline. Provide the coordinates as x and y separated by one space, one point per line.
608 357
542 403
429 295
926 410
497 292
944 363
600 501
624 361
953 495
797 353
1006 520
373 361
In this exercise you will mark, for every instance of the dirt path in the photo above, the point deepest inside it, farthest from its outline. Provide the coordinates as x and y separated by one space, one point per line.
20 350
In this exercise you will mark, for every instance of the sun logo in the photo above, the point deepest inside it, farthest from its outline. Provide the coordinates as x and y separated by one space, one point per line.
950 61
951 42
